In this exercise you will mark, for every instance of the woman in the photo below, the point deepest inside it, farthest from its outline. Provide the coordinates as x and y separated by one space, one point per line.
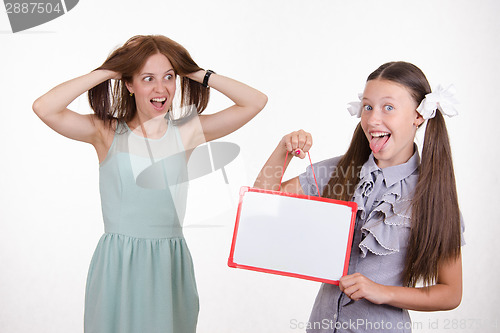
141 276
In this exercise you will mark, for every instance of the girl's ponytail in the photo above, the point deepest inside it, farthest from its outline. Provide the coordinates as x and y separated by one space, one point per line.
435 233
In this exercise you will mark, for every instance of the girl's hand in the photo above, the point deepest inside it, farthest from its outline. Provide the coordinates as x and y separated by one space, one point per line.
298 143
270 177
357 286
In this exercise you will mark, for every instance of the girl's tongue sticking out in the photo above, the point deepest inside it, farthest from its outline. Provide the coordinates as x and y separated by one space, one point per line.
379 139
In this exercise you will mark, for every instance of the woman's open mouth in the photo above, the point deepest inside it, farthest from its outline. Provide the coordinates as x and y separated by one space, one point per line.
158 103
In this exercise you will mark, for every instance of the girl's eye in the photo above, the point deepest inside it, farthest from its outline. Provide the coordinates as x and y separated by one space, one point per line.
367 107
148 79
169 77
388 108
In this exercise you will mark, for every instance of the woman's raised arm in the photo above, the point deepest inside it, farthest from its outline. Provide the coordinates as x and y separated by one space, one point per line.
52 107
247 103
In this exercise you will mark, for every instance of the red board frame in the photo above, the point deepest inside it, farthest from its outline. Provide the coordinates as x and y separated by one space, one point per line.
350 204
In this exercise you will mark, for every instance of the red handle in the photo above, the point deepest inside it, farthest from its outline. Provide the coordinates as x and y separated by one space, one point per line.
314 175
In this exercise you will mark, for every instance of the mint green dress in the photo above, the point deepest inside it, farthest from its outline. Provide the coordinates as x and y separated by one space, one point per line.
141 277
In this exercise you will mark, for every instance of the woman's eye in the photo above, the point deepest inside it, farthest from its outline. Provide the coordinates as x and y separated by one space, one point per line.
367 107
168 77
388 108
148 79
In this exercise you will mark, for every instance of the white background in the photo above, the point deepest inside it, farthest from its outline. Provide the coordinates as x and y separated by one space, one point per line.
311 58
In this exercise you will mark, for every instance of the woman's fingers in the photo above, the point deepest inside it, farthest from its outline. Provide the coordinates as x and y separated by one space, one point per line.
112 74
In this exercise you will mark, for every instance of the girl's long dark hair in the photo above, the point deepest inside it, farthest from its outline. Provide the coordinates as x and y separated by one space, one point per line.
115 102
435 229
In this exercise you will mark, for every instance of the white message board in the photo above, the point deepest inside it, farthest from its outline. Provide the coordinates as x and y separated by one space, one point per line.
294 235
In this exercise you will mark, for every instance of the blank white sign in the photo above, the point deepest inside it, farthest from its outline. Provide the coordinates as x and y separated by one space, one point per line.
292 235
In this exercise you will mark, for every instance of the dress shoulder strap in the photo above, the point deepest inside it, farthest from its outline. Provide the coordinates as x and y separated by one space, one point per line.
119 129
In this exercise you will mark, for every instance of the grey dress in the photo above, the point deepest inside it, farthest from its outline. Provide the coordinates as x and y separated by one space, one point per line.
378 249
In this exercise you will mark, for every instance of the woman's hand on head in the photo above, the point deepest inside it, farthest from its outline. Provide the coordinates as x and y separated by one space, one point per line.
197 76
112 75
357 286
297 143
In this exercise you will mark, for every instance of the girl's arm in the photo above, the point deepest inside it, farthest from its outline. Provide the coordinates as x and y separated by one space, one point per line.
247 103
446 294
269 177
52 107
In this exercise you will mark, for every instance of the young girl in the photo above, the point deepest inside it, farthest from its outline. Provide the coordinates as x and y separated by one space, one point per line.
141 277
408 226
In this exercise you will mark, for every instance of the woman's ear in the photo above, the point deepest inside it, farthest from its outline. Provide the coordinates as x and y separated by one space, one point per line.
129 87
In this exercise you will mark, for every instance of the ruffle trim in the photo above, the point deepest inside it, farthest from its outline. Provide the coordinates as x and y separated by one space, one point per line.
382 227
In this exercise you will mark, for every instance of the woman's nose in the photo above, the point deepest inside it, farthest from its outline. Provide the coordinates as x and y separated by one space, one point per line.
160 86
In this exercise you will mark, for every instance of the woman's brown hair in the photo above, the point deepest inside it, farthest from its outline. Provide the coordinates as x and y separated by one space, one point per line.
116 103
435 229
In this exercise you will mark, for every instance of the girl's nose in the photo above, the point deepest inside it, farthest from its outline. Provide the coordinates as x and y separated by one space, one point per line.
374 117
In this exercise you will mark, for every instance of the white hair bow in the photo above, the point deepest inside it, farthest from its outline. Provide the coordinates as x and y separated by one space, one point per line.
440 99
355 108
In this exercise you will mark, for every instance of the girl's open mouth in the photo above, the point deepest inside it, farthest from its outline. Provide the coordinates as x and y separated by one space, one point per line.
379 139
